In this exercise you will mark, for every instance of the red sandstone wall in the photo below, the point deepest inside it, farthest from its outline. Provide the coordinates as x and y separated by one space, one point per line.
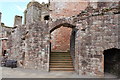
61 39
61 36
66 9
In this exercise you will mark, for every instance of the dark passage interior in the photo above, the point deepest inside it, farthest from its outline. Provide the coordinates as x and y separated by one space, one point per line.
4 52
46 17
112 61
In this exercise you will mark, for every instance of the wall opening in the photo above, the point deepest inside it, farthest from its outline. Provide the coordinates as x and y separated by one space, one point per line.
4 52
46 17
62 45
112 61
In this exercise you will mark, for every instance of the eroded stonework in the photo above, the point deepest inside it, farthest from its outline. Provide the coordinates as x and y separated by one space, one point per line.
94 30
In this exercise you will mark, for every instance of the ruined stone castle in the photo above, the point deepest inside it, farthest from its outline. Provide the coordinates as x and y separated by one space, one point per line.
89 31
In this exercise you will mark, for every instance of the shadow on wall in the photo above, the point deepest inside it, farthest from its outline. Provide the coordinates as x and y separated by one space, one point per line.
112 61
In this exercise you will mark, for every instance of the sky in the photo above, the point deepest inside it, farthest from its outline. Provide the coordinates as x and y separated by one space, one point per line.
10 8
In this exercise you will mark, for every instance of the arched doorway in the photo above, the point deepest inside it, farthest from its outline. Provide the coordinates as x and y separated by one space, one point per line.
62 48
112 61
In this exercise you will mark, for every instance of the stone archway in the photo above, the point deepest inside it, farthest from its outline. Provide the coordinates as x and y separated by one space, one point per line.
72 38
69 22
73 32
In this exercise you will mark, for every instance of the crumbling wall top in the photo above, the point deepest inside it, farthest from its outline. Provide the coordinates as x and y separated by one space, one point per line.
37 4
34 3
18 16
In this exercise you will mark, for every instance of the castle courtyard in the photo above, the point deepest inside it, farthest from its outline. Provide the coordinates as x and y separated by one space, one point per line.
28 73
69 39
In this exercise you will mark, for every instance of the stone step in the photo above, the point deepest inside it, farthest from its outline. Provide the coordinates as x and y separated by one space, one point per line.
61 69
60 54
61 61
61 64
64 66
61 58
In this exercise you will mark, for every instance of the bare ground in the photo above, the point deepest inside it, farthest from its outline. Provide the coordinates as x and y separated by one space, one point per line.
29 73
